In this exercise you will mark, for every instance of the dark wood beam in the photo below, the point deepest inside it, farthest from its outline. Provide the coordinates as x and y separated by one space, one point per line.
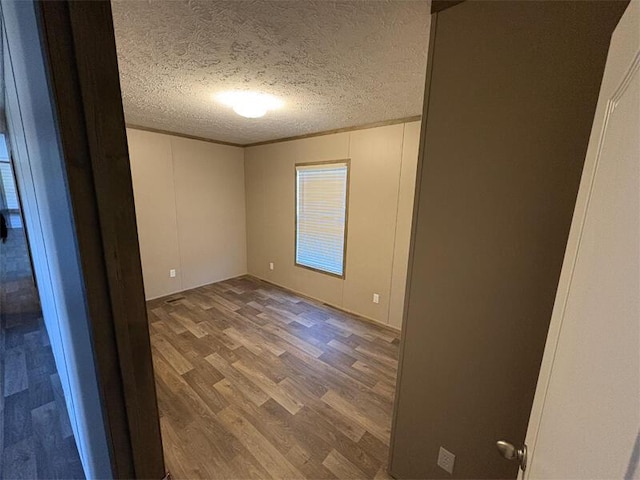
79 49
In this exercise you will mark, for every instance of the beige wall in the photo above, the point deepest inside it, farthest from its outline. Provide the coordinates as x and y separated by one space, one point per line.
506 134
383 169
190 205
190 208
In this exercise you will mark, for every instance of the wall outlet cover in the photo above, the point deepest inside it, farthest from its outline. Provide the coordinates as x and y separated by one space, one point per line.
271 265
172 273
446 460
376 298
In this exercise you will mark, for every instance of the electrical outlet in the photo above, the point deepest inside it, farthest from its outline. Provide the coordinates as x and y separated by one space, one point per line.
270 265
446 460
376 298
172 273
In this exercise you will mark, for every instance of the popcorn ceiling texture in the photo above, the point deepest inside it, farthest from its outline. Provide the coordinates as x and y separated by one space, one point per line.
335 64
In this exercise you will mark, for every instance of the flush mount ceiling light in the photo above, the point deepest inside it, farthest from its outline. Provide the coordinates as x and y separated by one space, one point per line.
249 104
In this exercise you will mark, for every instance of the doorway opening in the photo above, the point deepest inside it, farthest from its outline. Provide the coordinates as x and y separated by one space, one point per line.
37 438
274 238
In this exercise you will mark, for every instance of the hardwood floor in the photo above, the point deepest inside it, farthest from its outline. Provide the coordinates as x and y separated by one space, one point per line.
36 440
256 382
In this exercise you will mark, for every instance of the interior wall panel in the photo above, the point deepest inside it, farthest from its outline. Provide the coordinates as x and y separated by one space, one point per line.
153 189
507 123
270 170
380 198
210 210
404 217
190 209
376 157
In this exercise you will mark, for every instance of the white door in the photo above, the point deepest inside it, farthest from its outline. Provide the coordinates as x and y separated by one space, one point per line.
585 421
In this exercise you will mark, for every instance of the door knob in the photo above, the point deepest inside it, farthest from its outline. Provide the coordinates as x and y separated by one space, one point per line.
510 452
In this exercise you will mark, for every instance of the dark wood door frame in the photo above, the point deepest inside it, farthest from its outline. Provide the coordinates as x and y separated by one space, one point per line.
80 54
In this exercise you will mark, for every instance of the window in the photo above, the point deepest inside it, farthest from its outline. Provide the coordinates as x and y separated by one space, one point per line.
8 186
321 216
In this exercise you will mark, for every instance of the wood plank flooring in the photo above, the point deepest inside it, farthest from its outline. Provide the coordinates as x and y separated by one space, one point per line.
256 382
36 440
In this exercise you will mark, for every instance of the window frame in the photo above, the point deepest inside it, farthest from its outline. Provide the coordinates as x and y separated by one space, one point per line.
346 161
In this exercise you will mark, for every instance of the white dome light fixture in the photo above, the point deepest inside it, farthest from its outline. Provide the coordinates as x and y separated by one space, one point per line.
249 104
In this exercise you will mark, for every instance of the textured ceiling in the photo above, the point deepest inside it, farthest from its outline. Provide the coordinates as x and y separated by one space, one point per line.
335 64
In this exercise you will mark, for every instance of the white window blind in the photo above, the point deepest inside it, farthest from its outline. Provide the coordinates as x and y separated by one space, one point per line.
9 186
321 213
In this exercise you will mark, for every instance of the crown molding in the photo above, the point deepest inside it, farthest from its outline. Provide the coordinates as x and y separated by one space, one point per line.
384 123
